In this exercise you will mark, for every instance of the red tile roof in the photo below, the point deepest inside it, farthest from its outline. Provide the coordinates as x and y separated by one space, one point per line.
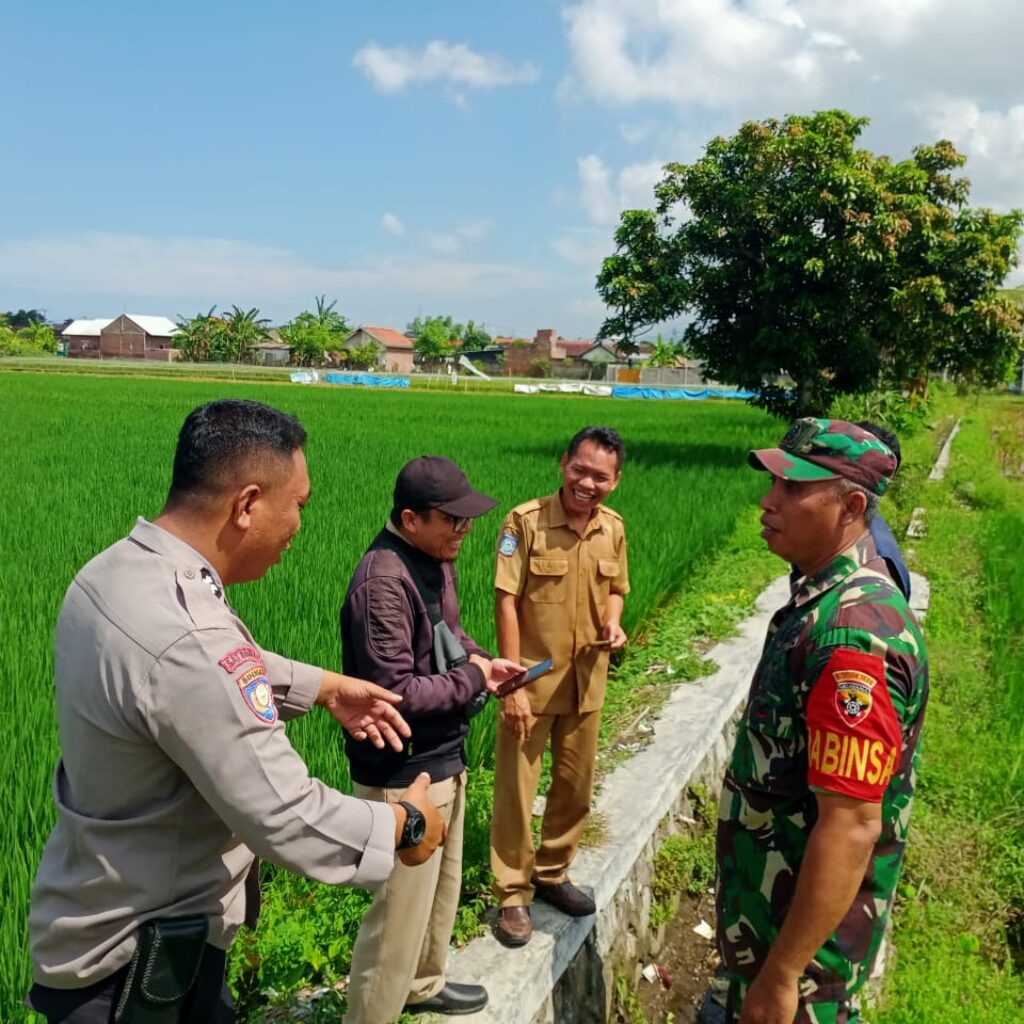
573 348
389 337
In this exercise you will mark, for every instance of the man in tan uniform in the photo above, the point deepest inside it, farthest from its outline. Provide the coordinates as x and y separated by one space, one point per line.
561 578
175 767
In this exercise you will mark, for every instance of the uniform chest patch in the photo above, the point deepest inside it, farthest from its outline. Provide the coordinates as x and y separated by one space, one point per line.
239 656
853 695
256 691
508 544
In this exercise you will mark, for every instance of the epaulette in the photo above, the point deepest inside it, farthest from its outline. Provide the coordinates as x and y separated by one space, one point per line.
526 507
611 512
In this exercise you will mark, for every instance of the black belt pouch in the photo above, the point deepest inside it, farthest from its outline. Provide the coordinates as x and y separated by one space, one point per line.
163 970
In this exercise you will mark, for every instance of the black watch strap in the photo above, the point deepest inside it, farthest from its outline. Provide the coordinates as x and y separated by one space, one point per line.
415 827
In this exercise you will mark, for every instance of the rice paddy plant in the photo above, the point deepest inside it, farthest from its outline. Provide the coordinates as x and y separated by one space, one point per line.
1004 602
86 455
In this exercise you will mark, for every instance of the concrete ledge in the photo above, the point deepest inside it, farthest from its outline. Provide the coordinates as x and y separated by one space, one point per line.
692 741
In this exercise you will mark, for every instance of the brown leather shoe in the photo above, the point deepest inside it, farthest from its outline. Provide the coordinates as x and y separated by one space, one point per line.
514 926
566 897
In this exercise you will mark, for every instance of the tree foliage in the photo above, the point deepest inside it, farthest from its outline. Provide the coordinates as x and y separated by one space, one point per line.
434 337
23 318
34 338
474 337
197 337
227 339
798 255
664 354
311 334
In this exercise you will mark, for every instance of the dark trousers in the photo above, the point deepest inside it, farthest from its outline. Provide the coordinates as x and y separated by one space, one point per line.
209 1002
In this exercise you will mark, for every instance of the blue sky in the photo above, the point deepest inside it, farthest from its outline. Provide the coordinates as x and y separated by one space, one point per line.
409 157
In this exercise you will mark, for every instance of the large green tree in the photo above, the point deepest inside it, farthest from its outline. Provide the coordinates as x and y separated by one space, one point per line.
810 267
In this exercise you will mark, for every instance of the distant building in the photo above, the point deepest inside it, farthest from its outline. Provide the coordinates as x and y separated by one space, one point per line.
395 350
270 353
129 336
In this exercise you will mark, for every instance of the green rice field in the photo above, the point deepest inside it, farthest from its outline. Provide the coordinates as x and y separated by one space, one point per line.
86 455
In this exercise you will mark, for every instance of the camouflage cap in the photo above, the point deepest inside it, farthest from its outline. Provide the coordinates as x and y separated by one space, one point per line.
826 450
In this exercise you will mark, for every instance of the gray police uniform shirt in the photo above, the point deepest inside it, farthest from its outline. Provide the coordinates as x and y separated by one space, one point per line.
175 767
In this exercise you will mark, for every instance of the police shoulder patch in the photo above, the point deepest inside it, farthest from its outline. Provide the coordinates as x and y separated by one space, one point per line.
508 544
255 689
237 657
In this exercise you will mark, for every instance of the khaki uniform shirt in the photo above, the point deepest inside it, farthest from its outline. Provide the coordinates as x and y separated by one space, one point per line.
175 766
562 582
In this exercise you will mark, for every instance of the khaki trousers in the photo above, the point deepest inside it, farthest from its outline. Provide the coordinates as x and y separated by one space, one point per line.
401 952
516 773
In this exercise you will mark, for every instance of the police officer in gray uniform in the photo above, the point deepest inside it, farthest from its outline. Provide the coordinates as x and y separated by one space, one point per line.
175 770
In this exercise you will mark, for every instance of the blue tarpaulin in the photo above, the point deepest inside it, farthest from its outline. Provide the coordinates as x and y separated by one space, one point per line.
367 380
686 394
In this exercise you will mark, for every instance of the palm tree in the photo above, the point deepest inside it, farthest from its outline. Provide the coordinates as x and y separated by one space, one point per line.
242 330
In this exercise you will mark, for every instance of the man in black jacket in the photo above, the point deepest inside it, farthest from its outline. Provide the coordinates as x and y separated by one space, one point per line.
400 626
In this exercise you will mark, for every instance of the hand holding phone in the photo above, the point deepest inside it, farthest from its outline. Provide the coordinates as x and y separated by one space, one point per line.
516 682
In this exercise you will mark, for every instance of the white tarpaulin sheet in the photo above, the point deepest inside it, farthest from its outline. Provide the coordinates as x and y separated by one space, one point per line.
566 388
467 365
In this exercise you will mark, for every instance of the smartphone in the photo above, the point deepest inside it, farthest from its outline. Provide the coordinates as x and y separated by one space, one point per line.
513 684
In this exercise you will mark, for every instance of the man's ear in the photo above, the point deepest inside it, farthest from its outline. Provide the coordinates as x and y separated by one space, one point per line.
410 520
855 504
242 505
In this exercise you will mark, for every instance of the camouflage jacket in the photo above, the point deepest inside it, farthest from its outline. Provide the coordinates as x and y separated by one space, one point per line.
815 720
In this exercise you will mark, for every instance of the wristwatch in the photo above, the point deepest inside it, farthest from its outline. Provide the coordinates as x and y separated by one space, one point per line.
415 827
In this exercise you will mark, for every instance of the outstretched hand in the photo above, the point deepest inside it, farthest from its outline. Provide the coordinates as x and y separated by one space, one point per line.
363 709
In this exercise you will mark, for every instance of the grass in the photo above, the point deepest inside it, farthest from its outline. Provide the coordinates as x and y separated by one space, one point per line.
684 863
92 452
958 934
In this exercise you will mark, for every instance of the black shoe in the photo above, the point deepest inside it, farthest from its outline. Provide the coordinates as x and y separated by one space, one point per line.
453 1000
566 897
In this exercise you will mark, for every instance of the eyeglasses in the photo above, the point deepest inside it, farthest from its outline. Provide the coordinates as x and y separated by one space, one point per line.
458 525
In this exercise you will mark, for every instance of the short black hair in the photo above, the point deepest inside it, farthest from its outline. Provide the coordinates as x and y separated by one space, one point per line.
221 438
603 437
886 436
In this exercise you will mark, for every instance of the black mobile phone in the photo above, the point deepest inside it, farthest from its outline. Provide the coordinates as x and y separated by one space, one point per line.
513 684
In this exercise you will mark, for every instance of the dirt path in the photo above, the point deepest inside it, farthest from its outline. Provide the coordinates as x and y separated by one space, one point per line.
687 961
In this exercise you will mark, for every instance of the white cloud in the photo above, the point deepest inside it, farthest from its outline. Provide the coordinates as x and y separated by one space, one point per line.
466 233
391 69
995 137
586 248
775 56
604 197
916 68
392 225
195 273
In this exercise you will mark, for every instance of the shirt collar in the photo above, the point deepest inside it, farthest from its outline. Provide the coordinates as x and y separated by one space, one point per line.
555 512
157 539
844 565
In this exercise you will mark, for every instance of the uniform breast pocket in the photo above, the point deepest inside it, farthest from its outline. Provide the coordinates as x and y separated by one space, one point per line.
548 580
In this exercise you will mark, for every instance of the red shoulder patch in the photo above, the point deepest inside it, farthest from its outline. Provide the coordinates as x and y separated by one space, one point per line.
239 656
853 733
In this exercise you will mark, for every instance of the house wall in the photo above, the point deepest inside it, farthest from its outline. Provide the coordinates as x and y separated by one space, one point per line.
123 340
82 346
398 360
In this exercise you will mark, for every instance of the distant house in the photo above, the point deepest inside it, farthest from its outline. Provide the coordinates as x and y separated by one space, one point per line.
129 336
270 353
395 349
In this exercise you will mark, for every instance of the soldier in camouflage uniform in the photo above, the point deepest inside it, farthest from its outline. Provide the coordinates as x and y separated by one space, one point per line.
816 802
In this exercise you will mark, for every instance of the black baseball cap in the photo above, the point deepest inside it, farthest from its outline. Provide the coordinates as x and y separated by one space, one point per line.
432 481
